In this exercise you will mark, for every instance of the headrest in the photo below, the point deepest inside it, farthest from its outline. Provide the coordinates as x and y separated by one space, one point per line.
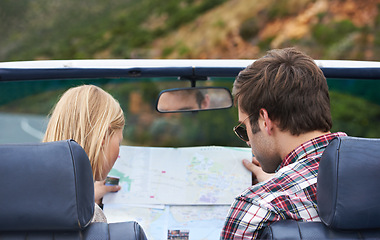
45 186
348 189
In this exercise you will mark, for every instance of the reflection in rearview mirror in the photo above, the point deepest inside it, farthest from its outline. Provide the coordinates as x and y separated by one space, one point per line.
194 99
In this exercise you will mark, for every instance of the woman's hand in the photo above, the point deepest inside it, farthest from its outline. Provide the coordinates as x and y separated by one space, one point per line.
258 175
101 189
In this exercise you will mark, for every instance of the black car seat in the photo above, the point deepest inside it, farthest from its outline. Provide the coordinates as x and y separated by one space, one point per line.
47 192
348 195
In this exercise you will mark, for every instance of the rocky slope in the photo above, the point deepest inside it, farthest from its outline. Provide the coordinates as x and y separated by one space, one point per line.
325 29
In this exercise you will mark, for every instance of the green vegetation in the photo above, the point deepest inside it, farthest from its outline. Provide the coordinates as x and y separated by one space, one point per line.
342 39
376 30
355 116
57 29
249 28
332 32
264 45
286 8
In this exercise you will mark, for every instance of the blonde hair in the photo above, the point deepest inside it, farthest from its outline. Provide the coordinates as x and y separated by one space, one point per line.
88 115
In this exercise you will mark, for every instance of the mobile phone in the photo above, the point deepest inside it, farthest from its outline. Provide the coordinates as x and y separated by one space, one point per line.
111 181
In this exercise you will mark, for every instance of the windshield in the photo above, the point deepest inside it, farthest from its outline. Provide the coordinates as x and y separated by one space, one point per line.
25 106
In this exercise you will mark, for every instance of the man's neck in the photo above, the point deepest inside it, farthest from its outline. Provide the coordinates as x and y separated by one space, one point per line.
288 142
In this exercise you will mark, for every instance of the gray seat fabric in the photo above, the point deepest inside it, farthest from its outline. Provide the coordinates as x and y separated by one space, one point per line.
290 229
347 195
47 192
101 231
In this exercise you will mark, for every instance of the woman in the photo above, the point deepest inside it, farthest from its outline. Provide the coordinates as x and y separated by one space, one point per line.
95 120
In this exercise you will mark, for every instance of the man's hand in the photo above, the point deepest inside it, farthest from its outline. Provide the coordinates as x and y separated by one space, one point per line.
101 189
258 175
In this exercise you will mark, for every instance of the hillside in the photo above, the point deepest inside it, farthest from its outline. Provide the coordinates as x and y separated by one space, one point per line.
325 29
244 29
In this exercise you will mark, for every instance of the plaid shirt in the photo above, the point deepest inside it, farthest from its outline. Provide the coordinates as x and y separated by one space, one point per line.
289 194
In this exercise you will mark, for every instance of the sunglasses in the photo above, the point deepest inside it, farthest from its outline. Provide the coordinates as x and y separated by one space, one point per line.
241 131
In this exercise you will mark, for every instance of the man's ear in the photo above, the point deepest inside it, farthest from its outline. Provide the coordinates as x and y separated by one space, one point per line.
268 124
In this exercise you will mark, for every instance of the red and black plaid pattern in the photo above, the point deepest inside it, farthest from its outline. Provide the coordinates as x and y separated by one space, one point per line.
290 194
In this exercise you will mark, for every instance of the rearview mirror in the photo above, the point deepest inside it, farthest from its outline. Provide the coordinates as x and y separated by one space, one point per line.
193 99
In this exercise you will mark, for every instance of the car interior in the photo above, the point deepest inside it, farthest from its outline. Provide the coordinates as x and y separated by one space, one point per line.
347 195
48 190
49 194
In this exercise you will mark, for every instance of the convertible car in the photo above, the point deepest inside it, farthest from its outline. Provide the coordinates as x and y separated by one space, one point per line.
180 162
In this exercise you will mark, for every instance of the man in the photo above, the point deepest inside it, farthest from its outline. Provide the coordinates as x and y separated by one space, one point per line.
183 100
284 103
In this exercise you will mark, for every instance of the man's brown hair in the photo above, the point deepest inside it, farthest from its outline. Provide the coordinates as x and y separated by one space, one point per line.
290 86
